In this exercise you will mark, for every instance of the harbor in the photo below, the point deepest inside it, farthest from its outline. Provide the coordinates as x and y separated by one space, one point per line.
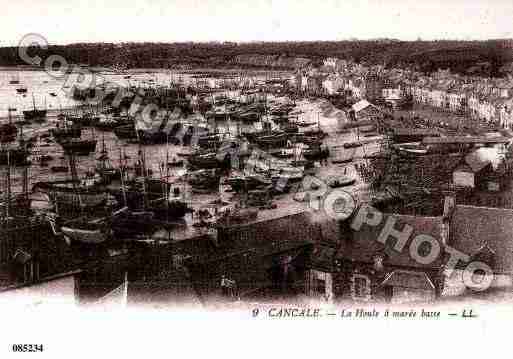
221 187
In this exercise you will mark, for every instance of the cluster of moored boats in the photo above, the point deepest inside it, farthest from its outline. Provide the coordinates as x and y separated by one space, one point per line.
270 151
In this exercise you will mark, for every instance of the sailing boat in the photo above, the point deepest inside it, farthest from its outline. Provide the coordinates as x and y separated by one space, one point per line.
104 168
84 231
127 222
78 146
15 80
147 194
35 114
9 130
66 130
16 155
74 194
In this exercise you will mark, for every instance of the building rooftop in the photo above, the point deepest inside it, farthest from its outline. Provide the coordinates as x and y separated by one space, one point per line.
473 229
363 245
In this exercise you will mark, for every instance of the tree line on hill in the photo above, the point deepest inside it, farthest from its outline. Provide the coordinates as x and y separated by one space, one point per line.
485 58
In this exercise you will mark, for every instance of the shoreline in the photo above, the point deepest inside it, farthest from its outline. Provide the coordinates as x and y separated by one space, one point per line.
154 70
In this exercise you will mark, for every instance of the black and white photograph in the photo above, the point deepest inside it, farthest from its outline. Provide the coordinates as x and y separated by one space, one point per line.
181 176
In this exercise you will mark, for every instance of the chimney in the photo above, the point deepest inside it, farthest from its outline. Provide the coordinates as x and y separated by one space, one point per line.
449 207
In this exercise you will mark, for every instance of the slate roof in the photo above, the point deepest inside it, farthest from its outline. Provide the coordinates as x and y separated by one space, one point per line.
363 245
409 279
474 228
262 238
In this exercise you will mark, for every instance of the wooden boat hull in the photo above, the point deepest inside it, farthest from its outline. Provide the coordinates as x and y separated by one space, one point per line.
15 157
342 181
34 115
64 133
125 131
239 184
57 169
133 223
64 195
79 147
84 235
173 209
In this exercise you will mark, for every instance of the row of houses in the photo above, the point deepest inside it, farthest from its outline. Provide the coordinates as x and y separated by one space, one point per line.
484 99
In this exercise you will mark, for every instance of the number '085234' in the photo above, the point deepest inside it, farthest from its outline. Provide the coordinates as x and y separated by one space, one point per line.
27 348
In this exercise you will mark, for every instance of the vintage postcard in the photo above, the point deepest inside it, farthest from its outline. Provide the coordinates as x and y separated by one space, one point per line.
182 177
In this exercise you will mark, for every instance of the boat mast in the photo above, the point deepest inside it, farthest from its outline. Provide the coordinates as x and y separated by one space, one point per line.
142 161
74 175
103 155
8 186
122 176
167 156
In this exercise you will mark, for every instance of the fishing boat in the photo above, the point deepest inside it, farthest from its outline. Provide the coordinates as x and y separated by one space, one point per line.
62 133
303 123
106 123
78 146
273 140
104 166
344 156
352 144
218 114
209 160
340 181
73 194
8 130
34 115
209 142
237 216
170 208
59 169
128 223
66 129
413 149
316 153
175 163
164 205
289 128
281 111
84 119
283 153
125 131
205 180
315 132
308 140
87 232
15 80
286 177
248 182
247 116
14 155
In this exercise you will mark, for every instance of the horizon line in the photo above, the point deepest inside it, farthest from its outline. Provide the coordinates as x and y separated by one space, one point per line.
271 41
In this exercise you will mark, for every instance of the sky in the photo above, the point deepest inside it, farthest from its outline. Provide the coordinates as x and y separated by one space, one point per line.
70 21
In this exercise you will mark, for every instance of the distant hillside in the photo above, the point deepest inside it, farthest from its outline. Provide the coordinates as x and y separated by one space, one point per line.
479 57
